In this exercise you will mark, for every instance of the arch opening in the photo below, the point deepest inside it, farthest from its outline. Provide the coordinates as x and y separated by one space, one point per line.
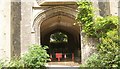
59 22
61 25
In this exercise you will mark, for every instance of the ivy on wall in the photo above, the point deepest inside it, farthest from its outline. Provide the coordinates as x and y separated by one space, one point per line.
92 25
85 18
104 28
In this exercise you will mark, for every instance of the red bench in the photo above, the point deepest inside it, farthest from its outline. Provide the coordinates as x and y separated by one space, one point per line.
59 56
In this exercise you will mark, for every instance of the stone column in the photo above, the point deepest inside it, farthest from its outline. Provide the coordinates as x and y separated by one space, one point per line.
15 28
88 47
26 20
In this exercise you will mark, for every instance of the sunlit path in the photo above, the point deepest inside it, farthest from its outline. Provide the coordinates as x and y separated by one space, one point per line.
70 63
62 65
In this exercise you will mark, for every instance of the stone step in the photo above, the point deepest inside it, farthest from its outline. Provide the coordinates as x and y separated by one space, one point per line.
70 63
61 67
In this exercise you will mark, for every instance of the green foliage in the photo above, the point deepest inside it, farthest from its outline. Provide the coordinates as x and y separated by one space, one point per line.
92 61
113 34
85 12
15 63
97 27
58 37
2 63
109 53
85 17
103 25
36 57
103 28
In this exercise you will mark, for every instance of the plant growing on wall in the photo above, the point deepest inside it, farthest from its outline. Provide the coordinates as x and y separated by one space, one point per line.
103 28
85 18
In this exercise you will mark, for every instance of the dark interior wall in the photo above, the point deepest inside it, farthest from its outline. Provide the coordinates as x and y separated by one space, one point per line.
73 44
72 41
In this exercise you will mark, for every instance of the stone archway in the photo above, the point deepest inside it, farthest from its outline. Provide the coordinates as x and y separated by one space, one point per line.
58 19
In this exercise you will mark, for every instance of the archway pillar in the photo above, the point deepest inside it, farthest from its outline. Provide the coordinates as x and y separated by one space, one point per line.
37 36
15 29
88 47
26 28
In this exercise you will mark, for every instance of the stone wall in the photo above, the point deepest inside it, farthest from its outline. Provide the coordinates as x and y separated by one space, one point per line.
114 7
104 8
16 20
15 27
5 29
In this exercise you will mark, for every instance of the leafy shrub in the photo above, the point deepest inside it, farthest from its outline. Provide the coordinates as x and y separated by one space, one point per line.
92 61
1 64
103 28
15 63
109 53
36 57
103 25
